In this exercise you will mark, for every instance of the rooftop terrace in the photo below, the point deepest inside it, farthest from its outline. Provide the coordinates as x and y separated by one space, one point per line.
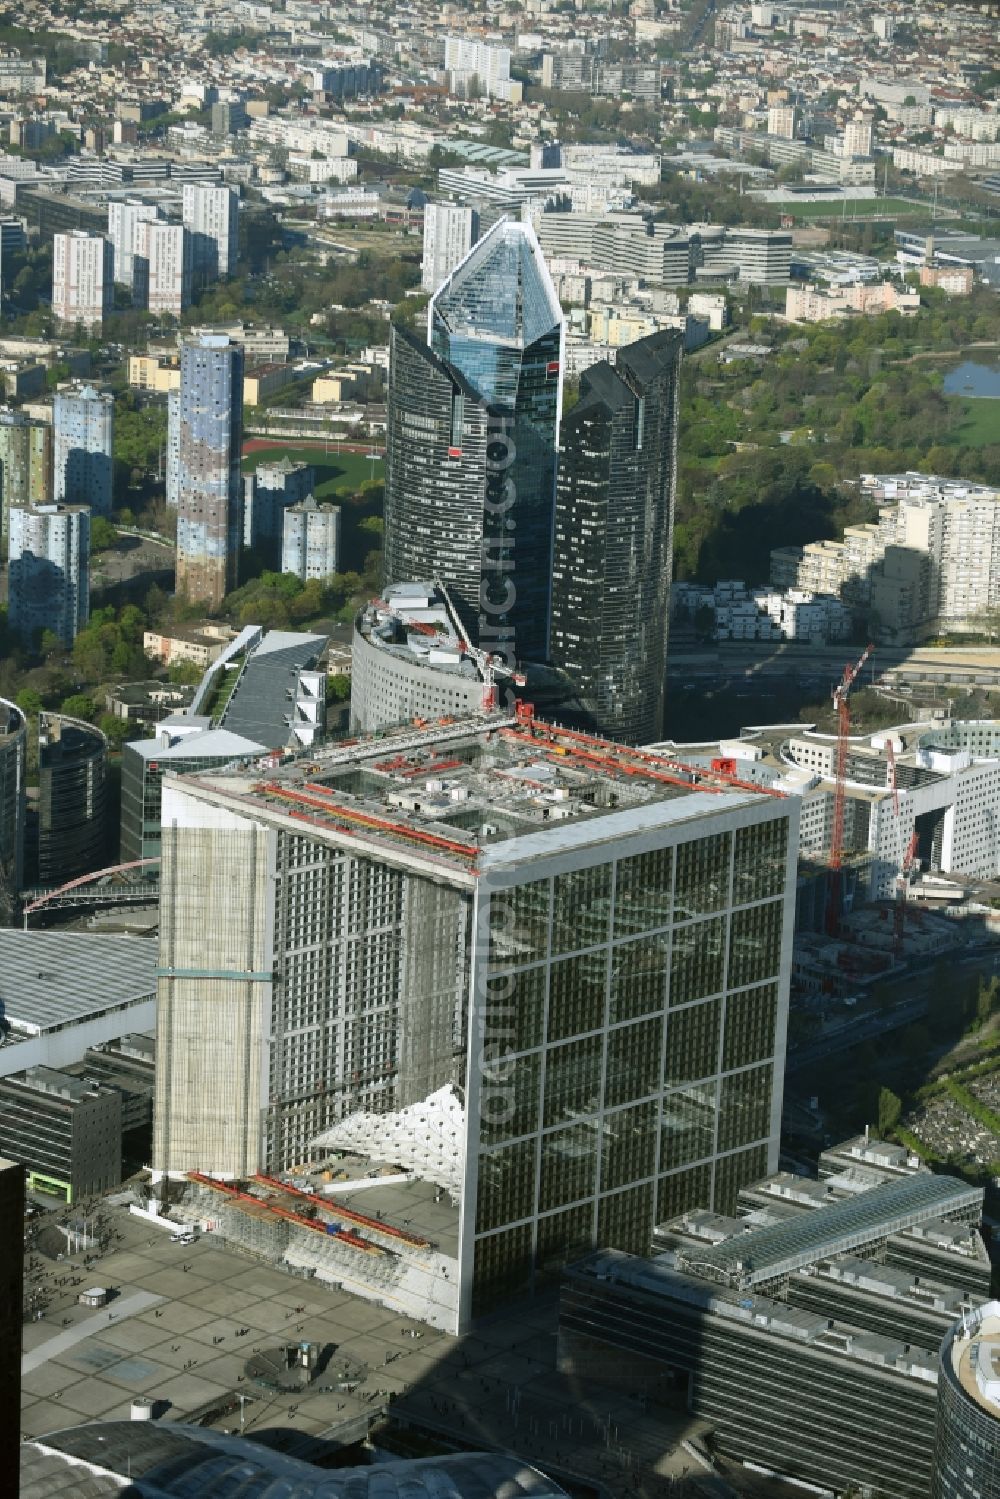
455 789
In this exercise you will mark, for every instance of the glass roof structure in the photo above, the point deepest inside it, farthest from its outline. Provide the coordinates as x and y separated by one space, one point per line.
766 1254
159 1461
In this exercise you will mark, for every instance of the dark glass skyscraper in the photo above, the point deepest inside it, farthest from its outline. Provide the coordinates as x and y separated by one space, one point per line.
473 423
614 537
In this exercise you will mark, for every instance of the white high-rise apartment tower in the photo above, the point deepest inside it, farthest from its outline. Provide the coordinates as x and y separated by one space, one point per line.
82 278
83 431
310 540
858 135
211 215
48 582
164 253
450 231
123 224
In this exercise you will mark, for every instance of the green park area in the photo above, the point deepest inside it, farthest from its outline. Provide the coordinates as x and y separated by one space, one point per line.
337 472
854 208
352 480
980 424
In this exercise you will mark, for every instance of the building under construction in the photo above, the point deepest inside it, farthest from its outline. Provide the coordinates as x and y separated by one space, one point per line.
560 966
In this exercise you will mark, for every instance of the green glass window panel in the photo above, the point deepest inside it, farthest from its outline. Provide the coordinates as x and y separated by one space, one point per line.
643 885
502 1269
702 882
687 1125
516 1007
755 944
564 1237
682 1192
628 1148
638 978
692 1043
577 995
633 1069
510 1100
519 924
698 960
569 1165
625 1220
734 1172
759 861
751 1019
581 908
506 1185
745 1107
572 1080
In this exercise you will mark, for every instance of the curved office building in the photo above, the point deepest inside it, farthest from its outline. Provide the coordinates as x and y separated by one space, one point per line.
72 798
473 421
400 672
967 1440
435 479
13 751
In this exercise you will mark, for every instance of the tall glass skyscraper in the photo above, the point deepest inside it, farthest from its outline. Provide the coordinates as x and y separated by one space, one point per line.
206 422
473 423
614 537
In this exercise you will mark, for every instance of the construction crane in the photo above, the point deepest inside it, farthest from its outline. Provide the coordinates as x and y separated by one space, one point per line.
490 666
899 909
842 708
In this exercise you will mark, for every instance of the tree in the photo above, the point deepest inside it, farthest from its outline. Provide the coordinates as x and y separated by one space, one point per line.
889 1110
29 701
79 705
986 999
338 688
102 534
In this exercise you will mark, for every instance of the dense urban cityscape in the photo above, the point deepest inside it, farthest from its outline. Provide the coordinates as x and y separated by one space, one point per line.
500 749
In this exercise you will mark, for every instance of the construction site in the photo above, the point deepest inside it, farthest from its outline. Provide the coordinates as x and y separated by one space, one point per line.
385 1228
356 922
897 840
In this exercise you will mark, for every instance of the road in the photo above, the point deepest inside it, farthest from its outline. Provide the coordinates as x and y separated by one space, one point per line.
822 663
873 1023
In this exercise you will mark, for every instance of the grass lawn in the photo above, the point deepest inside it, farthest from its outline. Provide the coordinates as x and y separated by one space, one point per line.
981 426
338 478
337 474
862 208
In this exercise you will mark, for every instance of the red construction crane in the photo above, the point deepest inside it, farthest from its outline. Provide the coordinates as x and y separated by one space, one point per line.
841 703
490 666
899 909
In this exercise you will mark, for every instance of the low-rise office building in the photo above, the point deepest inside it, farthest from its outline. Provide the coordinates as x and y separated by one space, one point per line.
67 1132
72 798
64 992
808 1350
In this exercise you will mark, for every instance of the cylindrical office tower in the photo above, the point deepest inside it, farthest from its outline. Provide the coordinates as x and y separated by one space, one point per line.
72 798
13 751
967 1442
